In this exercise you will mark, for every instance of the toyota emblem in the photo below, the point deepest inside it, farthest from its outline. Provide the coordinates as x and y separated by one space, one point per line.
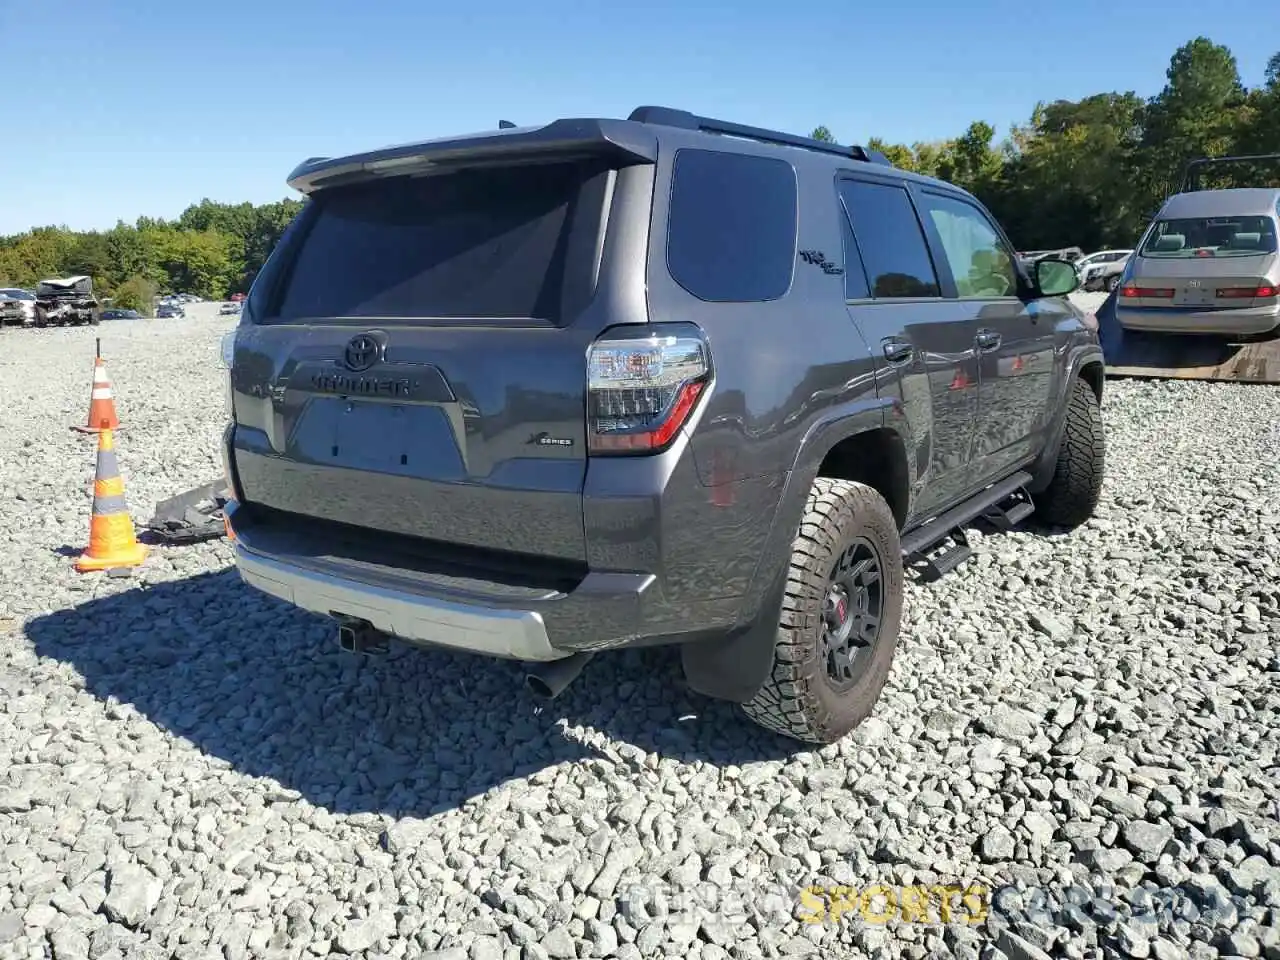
362 352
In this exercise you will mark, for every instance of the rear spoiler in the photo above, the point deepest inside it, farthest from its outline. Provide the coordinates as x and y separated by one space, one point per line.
627 143
1191 174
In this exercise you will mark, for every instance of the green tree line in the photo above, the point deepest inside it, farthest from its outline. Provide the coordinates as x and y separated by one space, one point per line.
212 250
1087 173
1092 173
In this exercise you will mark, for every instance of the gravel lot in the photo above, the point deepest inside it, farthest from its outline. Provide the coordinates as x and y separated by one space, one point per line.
189 769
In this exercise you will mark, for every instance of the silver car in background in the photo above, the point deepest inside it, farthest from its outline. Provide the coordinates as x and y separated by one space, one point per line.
17 307
1102 270
1207 264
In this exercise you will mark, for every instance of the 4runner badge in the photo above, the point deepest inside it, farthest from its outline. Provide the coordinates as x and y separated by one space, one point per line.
819 259
546 440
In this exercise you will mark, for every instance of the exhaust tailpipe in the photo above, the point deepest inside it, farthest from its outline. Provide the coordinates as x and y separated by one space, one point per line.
546 681
360 636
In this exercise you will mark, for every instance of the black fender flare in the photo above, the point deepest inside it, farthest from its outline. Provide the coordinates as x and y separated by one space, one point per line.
1080 357
734 667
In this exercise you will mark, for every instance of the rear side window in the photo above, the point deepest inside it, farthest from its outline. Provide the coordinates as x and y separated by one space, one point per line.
731 229
478 244
892 242
855 277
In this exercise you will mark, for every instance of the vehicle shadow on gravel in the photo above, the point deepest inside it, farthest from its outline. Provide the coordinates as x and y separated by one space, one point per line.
262 686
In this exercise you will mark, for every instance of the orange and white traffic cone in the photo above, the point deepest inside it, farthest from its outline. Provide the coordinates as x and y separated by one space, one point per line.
112 540
102 405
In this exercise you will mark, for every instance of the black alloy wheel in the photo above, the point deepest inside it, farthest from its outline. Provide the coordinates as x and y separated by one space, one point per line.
851 612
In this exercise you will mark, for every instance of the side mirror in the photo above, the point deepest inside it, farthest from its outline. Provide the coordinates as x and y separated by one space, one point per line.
1055 277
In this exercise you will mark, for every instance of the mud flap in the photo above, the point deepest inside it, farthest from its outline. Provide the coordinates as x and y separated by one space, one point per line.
192 516
1172 356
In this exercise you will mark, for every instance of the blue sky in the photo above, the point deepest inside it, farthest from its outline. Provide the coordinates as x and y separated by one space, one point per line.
153 105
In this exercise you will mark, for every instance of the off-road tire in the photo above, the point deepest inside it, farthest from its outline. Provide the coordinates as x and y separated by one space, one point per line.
1076 487
798 699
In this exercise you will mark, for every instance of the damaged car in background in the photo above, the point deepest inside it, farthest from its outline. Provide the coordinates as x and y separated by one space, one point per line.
17 307
69 300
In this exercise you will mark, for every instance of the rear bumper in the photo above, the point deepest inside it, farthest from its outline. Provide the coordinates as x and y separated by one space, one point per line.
1245 321
604 610
514 634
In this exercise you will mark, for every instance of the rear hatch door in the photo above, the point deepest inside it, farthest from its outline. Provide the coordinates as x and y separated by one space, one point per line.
413 359
1204 282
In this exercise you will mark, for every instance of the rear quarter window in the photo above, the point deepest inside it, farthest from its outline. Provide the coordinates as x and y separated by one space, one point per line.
731 226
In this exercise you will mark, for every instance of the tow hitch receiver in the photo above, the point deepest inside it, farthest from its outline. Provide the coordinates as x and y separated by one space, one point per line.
360 636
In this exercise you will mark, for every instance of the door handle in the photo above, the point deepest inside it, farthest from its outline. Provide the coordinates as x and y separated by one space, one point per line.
987 340
898 351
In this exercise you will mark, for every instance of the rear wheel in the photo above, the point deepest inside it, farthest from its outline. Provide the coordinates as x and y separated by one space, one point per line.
1113 281
840 616
1076 487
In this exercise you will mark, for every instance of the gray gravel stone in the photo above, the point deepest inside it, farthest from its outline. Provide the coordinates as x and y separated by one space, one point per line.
1164 949
191 769
132 893
11 926
997 844
559 945
1147 840
1008 722
1016 948
69 943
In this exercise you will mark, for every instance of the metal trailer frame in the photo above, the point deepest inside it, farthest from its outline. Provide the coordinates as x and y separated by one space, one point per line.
1191 174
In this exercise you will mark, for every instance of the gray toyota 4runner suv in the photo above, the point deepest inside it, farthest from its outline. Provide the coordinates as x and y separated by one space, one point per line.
549 391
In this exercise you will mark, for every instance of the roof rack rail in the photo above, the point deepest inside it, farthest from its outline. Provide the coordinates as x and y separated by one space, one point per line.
670 117
1191 174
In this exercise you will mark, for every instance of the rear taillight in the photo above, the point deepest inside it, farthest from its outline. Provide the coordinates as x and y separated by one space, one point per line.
1154 293
228 360
641 391
1262 291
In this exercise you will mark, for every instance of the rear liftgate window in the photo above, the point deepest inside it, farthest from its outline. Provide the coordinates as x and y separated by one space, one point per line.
731 231
496 243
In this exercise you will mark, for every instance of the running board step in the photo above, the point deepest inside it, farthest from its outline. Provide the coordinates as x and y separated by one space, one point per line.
1003 505
1011 511
947 558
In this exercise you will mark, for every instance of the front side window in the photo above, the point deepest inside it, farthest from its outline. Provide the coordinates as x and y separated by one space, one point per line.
1188 237
889 236
980 263
731 228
